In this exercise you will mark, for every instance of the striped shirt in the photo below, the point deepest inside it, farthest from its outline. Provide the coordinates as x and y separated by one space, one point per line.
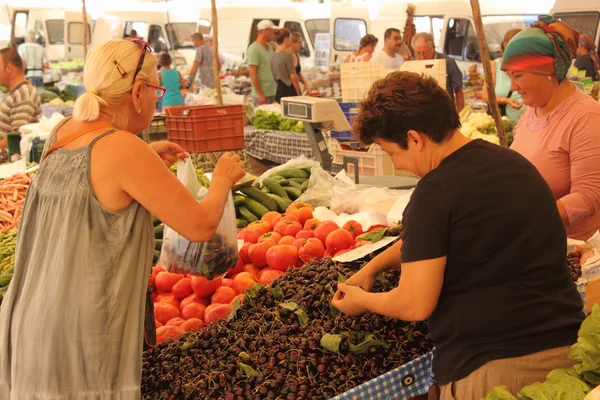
21 106
34 57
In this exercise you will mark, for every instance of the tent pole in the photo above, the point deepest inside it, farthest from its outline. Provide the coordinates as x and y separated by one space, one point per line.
488 73
85 30
216 69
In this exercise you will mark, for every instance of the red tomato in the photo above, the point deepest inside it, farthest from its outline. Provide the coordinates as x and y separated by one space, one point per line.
182 289
194 310
303 211
165 281
340 239
288 228
223 295
268 275
270 216
227 282
312 248
193 298
289 240
244 253
192 325
272 236
298 243
311 224
168 332
260 225
175 321
155 271
258 253
164 312
203 287
324 229
375 227
250 235
157 323
167 298
252 269
305 234
285 217
244 281
239 267
216 313
353 227
282 257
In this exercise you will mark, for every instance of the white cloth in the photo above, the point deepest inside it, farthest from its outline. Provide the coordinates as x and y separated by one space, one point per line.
388 62
34 57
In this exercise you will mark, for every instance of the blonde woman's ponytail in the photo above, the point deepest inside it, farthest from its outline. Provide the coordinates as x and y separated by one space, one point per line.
87 106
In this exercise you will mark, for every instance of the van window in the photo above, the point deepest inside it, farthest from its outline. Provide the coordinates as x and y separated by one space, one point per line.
56 31
314 26
347 33
180 34
297 27
585 22
156 39
433 25
496 26
204 26
456 35
19 26
75 33
140 27
254 30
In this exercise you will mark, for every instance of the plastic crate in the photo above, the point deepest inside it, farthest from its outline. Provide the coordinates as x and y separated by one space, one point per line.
358 78
200 129
350 111
373 162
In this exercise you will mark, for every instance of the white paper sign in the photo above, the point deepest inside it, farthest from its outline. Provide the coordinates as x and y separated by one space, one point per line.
365 250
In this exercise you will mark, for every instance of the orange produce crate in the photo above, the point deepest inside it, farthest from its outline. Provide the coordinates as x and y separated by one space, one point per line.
201 129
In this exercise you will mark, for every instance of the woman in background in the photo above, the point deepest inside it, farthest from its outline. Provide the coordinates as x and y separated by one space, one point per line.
365 49
172 80
295 51
282 65
587 58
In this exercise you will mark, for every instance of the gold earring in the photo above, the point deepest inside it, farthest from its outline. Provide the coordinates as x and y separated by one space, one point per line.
549 78
138 112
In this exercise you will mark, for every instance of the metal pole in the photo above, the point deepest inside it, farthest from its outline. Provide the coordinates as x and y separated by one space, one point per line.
488 73
216 69
85 30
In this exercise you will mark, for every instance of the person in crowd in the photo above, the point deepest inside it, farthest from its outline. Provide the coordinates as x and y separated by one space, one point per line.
587 58
209 40
157 42
558 132
295 51
34 59
501 307
365 49
509 102
22 104
282 65
388 57
424 47
260 52
203 62
87 228
172 81
133 34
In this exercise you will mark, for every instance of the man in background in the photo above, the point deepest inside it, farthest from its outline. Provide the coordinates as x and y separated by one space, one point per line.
388 57
22 104
34 59
203 62
259 63
209 40
424 47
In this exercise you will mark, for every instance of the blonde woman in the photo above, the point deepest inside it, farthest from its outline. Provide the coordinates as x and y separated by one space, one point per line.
71 325
295 50
365 49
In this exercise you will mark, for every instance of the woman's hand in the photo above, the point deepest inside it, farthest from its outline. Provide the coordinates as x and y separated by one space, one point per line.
169 152
348 299
229 167
364 278
514 104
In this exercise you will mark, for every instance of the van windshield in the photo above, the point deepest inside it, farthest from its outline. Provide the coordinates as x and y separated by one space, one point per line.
56 31
585 22
314 26
180 34
497 25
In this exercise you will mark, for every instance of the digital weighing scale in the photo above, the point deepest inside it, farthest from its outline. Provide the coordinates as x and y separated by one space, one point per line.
320 115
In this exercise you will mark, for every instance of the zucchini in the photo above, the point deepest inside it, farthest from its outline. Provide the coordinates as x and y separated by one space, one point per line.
256 185
265 190
239 200
295 185
241 223
293 173
292 192
275 187
304 186
5 279
283 182
298 180
260 196
282 202
155 221
158 231
258 209
247 215
158 244
156 255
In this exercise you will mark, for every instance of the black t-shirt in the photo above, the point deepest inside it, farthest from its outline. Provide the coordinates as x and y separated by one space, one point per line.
506 291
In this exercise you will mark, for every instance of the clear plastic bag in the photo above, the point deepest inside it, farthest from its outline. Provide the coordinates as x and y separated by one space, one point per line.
212 259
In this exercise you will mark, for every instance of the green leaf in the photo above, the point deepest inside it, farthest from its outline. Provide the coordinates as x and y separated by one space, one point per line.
277 293
331 342
289 306
366 344
302 316
500 393
334 312
341 278
247 370
244 356
234 307
374 236
253 293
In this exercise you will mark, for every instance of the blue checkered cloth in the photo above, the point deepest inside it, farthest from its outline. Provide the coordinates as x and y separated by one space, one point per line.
403 383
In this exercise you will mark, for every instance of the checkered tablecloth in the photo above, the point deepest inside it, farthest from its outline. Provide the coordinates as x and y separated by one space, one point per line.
276 146
406 382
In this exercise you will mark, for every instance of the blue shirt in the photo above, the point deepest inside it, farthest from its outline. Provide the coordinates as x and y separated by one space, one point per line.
170 80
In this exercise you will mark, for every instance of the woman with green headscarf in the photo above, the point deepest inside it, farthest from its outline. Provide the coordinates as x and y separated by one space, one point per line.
559 131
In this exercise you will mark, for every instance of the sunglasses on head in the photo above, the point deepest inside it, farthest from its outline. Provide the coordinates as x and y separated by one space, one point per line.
159 90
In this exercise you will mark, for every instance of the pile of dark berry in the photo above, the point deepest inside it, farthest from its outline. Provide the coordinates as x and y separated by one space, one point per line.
285 342
573 263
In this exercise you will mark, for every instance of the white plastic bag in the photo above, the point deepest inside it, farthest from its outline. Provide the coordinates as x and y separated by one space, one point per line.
212 259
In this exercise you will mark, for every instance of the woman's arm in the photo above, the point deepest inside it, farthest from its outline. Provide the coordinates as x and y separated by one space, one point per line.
303 80
182 82
160 78
296 83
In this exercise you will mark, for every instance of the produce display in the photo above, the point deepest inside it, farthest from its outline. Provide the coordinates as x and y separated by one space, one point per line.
53 96
285 342
273 121
482 126
8 242
12 197
276 193
572 383
574 266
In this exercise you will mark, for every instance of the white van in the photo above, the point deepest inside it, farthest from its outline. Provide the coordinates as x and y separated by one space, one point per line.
349 23
583 15
451 24
60 31
237 27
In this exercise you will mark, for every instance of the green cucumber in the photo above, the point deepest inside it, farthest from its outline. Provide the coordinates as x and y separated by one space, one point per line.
292 192
265 190
256 208
241 223
158 231
283 182
293 173
295 185
304 186
282 202
298 180
155 221
239 200
275 187
5 279
260 197
158 244
247 215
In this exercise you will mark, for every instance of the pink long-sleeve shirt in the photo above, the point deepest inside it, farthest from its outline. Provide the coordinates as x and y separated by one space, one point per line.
565 147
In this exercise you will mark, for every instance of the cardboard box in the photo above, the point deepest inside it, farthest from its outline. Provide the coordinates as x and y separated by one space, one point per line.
591 294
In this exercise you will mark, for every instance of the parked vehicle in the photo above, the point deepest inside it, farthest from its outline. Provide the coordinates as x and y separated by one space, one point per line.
583 15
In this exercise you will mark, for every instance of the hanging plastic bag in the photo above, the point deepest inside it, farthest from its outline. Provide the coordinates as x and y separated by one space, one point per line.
212 259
